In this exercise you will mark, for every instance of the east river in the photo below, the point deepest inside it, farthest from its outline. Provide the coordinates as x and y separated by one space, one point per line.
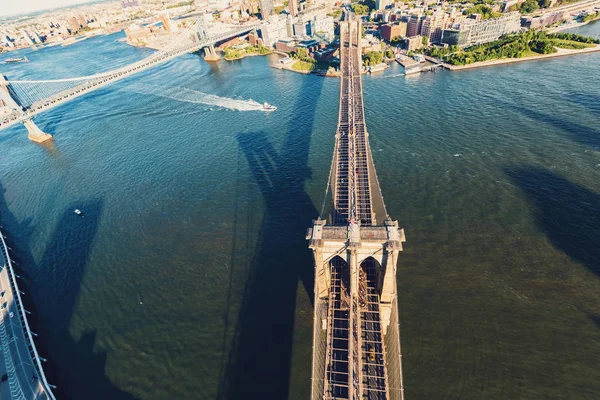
189 270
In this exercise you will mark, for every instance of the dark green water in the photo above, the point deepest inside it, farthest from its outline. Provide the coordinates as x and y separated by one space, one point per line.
196 206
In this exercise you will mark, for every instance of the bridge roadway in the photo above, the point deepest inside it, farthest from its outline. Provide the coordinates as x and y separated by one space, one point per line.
21 374
355 364
95 82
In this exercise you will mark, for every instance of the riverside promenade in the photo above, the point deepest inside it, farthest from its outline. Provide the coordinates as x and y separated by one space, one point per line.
21 373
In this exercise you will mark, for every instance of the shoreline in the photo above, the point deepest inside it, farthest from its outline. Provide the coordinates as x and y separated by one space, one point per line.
559 53
246 55
565 27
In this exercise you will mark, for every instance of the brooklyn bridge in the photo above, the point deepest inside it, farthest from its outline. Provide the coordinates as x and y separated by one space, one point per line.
356 338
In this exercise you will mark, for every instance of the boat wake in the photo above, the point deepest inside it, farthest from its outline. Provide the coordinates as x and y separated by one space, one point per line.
197 97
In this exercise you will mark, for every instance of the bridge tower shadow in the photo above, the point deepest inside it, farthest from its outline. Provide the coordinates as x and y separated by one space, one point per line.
259 363
54 284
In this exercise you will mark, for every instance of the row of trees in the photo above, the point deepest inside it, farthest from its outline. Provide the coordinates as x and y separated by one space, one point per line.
515 46
232 53
573 37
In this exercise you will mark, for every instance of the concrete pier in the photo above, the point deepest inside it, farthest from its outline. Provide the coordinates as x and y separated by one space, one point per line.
210 54
35 133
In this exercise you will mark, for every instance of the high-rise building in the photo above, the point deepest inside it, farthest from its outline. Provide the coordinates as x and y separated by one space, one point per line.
293 7
415 24
266 8
433 26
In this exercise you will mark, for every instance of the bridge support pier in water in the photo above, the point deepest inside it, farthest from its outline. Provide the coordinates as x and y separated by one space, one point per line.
210 54
35 133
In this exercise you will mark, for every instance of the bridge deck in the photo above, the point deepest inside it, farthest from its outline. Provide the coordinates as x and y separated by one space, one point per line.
355 364
19 361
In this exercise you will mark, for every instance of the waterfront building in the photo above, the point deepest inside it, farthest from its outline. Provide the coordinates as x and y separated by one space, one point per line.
414 43
542 20
28 38
266 8
471 32
286 45
390 32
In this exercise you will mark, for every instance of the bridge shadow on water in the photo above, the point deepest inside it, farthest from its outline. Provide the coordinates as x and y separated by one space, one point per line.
55 283
259 364
582 134
566 212
589 101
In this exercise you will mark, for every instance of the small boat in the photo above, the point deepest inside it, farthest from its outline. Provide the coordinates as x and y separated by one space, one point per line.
16 60
268 108
78 212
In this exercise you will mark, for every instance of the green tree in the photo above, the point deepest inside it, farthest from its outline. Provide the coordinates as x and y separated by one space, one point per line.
425 41
529 6
301 53
360 9
373 58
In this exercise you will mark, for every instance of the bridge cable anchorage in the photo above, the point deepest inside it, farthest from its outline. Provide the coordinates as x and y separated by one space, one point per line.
35 96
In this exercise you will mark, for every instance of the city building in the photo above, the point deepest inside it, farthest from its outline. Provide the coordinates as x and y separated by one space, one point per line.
393 31
542 20
433 27
382 4
286 45
321 25
266 8
274 29
414 43
471 32
129 3
168 24
415 24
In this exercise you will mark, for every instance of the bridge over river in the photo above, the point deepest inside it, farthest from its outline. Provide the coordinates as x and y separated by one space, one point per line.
356 338
28 98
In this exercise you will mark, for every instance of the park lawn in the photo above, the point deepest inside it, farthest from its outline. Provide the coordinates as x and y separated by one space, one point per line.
571 44
303 66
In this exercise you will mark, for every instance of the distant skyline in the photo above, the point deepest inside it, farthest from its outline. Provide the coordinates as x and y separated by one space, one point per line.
11 7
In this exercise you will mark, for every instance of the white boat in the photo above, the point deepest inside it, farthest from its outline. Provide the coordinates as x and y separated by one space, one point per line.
268 108
78 212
